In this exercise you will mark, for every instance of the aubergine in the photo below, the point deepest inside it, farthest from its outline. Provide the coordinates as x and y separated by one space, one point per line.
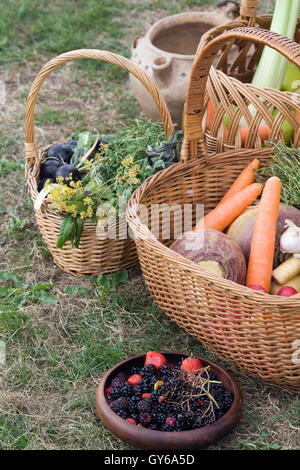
68 173
61 152
43 181
49 167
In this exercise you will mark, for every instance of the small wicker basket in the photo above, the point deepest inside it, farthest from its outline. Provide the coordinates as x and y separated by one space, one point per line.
257 332
229 82
94 255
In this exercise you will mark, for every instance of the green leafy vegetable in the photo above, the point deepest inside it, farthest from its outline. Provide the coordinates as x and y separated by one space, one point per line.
85 140
286 166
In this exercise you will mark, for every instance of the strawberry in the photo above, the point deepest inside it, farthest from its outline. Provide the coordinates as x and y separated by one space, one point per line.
107 391
155 358
134 379
191 365
131 420
146 395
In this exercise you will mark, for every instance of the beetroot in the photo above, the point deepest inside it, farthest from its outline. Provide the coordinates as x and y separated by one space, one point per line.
241 230
214 251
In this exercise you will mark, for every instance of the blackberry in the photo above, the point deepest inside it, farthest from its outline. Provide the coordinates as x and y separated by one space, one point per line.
137 390
144 406
145 418
121 403
123 414
166 427
126 390
165 371
132 408
153 426
145 385
134 370
160 418
115 393
148 371
119 380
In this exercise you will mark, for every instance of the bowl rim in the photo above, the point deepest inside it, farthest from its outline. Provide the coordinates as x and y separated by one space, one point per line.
229 419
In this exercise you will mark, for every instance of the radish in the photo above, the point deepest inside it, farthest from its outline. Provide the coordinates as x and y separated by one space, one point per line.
287 291
256 287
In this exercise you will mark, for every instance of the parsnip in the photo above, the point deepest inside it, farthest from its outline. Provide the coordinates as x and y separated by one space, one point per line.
286 270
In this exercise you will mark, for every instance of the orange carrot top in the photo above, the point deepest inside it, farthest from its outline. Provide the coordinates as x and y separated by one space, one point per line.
260 264
225 213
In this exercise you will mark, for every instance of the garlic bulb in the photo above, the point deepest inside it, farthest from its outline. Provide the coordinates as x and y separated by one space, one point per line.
290 239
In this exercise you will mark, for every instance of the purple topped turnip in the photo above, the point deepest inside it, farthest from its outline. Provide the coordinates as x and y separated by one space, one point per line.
215 252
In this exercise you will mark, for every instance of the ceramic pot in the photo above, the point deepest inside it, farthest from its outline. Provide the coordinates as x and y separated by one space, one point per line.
167 53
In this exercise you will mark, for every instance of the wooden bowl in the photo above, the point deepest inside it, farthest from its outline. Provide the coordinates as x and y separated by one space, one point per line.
143 438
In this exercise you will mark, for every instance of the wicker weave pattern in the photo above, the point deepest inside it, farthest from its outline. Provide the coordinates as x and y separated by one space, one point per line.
93 256
237 58
256 332
194 106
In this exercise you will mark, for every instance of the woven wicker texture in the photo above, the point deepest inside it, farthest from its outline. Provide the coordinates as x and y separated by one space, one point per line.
94 255
230 82
256 332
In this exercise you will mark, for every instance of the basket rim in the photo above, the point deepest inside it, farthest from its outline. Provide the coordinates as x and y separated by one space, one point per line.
175 258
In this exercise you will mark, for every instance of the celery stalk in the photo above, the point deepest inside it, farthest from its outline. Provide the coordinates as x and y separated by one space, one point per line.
271 67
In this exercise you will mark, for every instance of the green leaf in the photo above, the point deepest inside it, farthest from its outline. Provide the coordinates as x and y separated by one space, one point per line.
78 231
65 231
120 277
77 290
5 276
45 297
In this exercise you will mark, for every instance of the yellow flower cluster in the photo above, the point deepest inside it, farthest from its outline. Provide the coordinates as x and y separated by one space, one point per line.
130 175
127 162
71 200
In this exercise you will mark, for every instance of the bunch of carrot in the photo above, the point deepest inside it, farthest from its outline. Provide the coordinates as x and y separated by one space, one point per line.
240 195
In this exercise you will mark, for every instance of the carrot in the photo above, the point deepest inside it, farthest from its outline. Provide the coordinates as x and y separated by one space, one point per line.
245 178
210 116
222 216
261 257
263 132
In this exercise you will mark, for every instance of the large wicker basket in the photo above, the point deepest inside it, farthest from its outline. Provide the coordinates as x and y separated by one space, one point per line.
257 332
94 255
229 82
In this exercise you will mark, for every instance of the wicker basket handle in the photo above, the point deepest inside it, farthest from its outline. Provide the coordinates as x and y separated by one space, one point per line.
248 11
126 64
193 144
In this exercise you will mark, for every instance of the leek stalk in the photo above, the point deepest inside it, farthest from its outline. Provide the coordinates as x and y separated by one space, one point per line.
272 65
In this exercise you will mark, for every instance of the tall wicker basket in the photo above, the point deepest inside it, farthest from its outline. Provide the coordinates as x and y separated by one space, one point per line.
94 255
257 332
229 82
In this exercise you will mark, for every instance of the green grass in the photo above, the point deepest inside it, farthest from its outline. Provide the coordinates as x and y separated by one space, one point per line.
62 333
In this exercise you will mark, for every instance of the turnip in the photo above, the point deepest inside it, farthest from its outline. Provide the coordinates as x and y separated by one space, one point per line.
214 251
